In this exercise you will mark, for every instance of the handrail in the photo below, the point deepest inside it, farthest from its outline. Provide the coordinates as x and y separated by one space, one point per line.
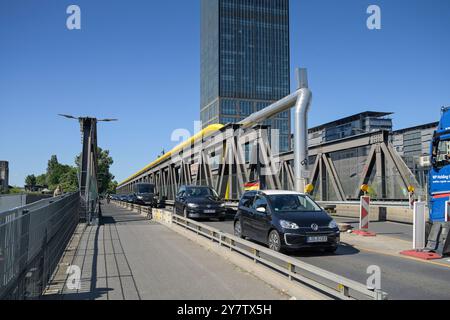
35 205
373 203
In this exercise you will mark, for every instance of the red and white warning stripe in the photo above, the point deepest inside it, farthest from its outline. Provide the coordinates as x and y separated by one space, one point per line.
364 213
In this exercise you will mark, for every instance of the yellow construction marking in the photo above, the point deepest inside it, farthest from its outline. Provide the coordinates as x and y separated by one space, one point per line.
197 137
227 193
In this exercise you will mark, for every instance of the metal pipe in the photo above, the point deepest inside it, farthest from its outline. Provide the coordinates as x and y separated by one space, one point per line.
301 132
301 99
271 111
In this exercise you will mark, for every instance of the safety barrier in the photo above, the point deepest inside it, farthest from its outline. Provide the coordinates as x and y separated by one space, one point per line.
427 249
141 210
318 279
378 211
32 240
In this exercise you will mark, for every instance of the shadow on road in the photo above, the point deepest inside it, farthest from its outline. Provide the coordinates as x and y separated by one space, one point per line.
118 220
343 250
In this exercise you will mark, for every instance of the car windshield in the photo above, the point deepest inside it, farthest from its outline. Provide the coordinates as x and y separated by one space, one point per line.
201 192
293 202
441 153
145 188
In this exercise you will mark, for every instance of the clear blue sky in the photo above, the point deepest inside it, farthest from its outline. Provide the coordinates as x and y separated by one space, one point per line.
139 61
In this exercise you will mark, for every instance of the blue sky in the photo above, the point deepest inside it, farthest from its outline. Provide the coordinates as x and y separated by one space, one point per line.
138 61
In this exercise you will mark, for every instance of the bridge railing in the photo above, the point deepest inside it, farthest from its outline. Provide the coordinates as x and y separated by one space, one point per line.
318 279
32 240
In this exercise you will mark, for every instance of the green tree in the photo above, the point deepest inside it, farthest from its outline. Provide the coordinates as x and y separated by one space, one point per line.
15 190
112 188
104 176
56 174
31 180
41 180
53 170
67 176
69 180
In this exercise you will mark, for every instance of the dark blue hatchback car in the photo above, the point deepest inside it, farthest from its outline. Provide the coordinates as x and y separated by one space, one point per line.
285 220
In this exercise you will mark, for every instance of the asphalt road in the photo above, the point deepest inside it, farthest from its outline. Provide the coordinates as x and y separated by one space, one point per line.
402 278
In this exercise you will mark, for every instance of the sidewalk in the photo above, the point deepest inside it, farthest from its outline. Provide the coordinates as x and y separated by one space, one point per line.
131 258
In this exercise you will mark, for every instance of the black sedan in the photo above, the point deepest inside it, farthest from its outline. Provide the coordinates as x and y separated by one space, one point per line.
285 220
131 198
199 203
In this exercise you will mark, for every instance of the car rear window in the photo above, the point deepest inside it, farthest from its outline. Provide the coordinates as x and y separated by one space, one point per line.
292 203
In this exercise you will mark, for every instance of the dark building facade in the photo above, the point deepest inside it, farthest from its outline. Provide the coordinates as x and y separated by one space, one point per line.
4 176
244 61
364 122
414 146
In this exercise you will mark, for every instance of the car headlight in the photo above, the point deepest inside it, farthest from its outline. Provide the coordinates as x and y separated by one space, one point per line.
192 205
333 225
140 197
288 225
222 205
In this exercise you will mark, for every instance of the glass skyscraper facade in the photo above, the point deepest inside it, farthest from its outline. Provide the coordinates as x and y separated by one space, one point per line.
245 61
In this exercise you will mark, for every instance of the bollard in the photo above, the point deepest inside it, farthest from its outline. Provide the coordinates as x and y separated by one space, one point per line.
364 218
364 213
419 226
411 200
411 192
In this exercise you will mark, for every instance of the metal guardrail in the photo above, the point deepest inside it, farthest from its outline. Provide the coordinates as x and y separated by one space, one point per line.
318 279
148 211
233 204
32 240
373 203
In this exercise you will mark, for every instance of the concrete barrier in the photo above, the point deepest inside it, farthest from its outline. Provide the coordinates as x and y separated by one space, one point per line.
162 216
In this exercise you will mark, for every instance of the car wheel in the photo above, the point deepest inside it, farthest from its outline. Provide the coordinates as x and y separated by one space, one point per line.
238 229
274 241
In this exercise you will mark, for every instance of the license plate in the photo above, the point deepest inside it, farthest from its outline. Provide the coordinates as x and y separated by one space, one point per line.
209 211
317 239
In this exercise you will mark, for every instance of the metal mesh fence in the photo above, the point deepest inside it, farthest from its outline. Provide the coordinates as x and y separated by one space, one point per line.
32 240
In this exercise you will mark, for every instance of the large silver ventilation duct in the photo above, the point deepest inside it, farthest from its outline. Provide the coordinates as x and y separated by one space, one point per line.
301 99
271 111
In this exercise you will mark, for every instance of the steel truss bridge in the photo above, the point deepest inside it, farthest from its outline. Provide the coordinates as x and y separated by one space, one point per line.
228 157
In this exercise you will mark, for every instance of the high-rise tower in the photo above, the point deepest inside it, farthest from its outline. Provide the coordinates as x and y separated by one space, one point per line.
245 61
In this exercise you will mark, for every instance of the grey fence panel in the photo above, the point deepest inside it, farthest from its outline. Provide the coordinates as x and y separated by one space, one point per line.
8 202
32 240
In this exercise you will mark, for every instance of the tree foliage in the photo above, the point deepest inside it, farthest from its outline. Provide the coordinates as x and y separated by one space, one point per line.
31 180
106 183
67 176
